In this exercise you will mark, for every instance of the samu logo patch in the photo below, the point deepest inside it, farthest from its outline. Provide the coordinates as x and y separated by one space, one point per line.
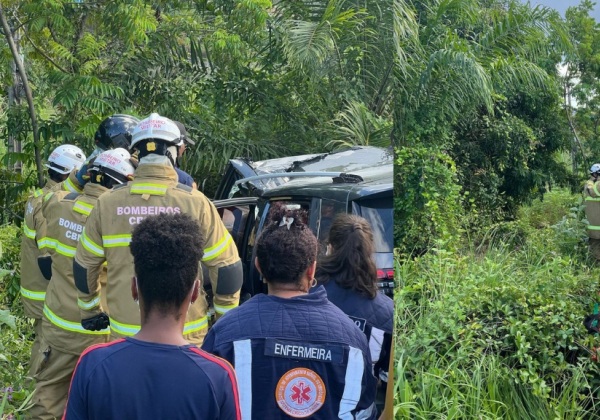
300 393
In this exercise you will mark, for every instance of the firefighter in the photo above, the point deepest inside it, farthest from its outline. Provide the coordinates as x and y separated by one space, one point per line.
113 132
63 337
61 162
156 374
107 234
591 193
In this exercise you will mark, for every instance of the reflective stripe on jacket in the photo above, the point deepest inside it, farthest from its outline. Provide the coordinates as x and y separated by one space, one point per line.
66 214
591 194
107 235
33 284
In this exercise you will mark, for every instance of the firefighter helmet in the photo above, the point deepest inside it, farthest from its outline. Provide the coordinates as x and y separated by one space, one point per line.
595 168
65 158
158 128
115 131
112 163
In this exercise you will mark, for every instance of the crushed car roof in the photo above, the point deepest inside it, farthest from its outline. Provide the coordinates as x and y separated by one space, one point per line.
374 165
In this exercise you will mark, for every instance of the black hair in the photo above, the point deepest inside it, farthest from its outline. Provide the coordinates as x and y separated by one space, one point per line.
166 252
55 176
159 147
285 253
351 260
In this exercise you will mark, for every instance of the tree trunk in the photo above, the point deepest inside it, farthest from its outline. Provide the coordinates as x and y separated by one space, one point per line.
28 95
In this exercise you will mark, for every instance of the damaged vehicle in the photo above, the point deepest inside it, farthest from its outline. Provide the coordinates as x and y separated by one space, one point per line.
358 180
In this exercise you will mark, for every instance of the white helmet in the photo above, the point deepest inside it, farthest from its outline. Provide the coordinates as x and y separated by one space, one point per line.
115 164
595 168
155 127
65 158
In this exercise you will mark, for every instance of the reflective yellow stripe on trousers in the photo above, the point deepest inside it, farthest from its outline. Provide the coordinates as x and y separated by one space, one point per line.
69 325
30 294
132 329
223 309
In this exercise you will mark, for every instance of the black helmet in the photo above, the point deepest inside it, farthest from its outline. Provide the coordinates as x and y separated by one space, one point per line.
115 131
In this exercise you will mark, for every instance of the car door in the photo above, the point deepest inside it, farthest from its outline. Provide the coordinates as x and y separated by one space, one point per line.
235 170
239 216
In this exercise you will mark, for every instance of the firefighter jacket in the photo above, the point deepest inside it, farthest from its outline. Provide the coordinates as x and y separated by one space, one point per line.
71 184
299 357
107 235
33 283
66 214
591 193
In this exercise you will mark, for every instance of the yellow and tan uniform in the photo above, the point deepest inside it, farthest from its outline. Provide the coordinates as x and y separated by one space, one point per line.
107 235
33 283
591 194
64 339
71 184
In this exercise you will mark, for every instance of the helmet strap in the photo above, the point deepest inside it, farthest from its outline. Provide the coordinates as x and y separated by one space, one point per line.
171 158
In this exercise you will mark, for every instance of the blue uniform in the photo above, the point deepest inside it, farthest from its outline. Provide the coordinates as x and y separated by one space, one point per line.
300 357
184 178
375 317
133 379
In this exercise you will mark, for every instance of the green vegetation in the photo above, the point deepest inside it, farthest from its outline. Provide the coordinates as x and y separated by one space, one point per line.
248 78
494 330
495 132
15 330
492 109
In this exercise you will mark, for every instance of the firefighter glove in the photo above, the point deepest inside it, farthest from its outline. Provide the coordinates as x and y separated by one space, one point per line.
96 323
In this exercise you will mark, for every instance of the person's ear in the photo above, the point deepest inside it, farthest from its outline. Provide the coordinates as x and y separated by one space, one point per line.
257 265
195 291
311 270
134 289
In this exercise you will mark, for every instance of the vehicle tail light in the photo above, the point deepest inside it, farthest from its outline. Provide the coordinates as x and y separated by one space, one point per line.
385 281
385 274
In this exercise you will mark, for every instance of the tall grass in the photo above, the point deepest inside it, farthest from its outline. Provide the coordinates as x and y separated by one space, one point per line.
495 330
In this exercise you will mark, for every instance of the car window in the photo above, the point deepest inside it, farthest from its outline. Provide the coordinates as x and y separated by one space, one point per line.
328 211
380 215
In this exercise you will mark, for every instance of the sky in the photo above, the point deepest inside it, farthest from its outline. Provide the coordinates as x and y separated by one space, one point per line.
562 5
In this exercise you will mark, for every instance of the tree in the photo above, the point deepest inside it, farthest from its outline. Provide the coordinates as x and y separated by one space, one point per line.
470 75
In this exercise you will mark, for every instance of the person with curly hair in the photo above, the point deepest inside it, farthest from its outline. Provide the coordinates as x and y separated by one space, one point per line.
349 275
157 373
295 353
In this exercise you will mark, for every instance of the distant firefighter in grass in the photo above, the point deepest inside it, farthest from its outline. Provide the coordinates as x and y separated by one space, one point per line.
591 194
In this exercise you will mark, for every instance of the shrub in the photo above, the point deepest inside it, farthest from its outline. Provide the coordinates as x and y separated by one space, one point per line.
426 200
505 319
15 330
10 248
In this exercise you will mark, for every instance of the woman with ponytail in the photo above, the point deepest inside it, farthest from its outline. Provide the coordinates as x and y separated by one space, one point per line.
349 275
